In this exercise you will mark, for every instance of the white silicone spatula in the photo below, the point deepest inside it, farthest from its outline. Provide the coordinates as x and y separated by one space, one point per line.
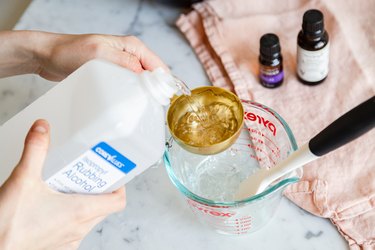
348 127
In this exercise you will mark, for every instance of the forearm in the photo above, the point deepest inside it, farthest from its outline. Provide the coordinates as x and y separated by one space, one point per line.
4 242
21 52
55 56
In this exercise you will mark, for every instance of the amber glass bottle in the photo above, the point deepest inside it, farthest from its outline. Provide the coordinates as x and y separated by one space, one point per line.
312 49
271 73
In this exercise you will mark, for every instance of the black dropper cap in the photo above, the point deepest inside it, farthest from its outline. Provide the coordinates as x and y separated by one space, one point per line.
269 45
313 22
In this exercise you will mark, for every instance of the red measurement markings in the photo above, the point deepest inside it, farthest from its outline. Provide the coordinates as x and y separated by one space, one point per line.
258 158
248 217
255 131
209 210
239 221
243 229
243 225
244 232
261 150
256 140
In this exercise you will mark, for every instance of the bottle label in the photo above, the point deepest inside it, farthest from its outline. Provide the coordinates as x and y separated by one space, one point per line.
271 76
312 66
92 172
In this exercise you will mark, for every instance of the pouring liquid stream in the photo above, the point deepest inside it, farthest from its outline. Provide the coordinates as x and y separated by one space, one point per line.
204 125
195 106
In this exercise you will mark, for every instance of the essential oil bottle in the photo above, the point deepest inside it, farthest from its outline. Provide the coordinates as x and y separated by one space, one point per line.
312 49
271 72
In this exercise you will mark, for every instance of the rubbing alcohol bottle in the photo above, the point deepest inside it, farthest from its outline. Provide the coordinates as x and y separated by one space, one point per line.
107 126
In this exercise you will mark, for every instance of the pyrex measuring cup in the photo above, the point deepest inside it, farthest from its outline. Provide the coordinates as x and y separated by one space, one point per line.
209 182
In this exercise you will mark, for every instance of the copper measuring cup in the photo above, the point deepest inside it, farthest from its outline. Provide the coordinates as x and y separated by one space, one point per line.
205 96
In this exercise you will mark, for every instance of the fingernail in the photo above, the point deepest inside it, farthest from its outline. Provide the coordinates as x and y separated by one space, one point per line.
40 127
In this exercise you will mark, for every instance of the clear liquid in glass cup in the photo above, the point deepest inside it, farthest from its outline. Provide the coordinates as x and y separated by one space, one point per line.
209 182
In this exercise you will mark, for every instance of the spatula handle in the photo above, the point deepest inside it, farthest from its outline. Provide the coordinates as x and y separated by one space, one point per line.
346 128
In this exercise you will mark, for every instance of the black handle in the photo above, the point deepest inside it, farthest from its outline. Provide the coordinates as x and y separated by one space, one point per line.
348 127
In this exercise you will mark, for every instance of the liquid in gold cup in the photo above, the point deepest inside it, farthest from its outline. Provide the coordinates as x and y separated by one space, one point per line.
207 122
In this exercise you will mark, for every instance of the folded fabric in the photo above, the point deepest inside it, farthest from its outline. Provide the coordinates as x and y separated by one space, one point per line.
225 36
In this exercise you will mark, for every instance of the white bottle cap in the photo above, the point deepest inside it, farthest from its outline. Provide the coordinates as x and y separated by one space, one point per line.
161 84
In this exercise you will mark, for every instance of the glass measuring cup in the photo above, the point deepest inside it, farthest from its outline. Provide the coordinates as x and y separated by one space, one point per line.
209 182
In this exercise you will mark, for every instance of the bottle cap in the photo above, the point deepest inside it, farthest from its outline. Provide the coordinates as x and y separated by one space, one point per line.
313 21
162 85
269 45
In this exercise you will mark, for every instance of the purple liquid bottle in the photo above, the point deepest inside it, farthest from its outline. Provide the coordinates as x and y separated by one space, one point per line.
271 73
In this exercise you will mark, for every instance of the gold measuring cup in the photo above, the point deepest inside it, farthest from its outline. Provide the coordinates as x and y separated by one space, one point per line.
204 97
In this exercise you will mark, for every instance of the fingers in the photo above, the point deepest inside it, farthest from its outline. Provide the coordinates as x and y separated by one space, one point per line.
35 149
89 225
71 245
124 59
151 61
101 205
83 230
147 58
86 211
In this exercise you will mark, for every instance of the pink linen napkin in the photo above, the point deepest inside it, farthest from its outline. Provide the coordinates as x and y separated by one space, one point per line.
225 36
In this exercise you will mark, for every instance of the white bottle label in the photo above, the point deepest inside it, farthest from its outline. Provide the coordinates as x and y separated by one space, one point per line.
92 172
312 66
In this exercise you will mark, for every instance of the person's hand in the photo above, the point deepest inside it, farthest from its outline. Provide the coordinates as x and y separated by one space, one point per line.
33 216
55 56
65 53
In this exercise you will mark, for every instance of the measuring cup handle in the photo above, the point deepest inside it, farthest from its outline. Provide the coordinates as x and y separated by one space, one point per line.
346 128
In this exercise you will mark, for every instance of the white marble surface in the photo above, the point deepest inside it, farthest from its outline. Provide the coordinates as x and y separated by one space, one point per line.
156 216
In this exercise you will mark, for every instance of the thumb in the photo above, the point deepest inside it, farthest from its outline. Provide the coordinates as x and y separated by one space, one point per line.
103 204
35 149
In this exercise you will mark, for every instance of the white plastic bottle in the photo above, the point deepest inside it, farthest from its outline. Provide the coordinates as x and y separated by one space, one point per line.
107 126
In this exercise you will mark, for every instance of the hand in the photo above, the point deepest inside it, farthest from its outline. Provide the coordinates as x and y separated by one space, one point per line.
67 52
33 216
55 56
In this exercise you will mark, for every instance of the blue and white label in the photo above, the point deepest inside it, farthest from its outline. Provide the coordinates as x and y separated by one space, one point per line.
95 171
113 157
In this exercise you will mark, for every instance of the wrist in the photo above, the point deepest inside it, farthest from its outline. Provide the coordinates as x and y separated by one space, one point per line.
40 48
4 242
23 52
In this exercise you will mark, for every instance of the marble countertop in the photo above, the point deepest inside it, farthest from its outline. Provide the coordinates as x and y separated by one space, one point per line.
156 216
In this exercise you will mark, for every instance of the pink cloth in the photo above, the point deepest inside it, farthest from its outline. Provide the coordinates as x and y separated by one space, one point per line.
225 36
